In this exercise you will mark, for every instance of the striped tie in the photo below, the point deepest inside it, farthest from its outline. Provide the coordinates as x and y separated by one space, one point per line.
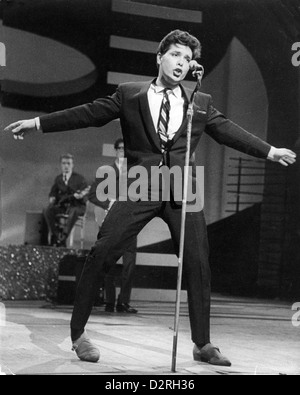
163 122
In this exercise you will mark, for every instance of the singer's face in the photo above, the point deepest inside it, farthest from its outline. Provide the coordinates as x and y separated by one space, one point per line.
174 64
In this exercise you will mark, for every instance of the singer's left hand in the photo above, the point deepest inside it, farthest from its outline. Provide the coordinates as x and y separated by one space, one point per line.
198 73
283 156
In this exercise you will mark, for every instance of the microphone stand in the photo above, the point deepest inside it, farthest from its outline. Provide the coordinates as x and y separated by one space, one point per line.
190 114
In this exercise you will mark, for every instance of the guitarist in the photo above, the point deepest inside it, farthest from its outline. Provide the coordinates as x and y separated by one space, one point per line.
67 196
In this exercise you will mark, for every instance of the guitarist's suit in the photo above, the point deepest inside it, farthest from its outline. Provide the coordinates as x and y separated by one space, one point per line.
66 203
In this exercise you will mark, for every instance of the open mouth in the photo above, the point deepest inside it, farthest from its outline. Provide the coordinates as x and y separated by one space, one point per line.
177 73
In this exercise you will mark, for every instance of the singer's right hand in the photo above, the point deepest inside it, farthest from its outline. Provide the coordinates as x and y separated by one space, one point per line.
21 128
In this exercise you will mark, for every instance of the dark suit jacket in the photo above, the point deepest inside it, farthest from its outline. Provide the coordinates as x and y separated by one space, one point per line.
142 143
60 190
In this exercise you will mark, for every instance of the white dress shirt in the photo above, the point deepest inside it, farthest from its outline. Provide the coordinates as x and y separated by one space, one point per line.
177 101
66 177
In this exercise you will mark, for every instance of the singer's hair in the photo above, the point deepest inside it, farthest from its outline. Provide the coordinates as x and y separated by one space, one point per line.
183 38
66 156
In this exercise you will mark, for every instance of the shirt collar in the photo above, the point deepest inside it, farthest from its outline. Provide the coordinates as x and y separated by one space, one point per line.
177 92
68 175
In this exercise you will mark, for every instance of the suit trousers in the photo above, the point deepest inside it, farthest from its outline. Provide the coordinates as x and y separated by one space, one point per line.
129 262
125 221
73 212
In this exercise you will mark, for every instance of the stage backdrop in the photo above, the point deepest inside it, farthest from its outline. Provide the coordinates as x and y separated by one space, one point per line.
52 64
30 167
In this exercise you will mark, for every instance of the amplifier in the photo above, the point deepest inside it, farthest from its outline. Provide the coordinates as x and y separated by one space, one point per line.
36 232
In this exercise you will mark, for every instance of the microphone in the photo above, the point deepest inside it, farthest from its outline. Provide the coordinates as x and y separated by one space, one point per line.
198 72
195 66
197 69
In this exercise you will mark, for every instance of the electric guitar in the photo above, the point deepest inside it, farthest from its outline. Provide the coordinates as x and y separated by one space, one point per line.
69 198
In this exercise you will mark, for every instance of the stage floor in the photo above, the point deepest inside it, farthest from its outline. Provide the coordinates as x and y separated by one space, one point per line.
258 337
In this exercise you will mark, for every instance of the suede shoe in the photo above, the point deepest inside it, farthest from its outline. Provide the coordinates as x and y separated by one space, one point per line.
211 355
85 349
126 308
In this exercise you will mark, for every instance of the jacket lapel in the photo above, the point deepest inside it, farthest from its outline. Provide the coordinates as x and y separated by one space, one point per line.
70 182
147 117
188 94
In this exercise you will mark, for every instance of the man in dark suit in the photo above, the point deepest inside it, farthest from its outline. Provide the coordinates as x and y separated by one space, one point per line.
67 196
129 257
154 126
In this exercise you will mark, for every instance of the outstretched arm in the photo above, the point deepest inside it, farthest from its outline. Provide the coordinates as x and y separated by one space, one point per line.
232 135
97 113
